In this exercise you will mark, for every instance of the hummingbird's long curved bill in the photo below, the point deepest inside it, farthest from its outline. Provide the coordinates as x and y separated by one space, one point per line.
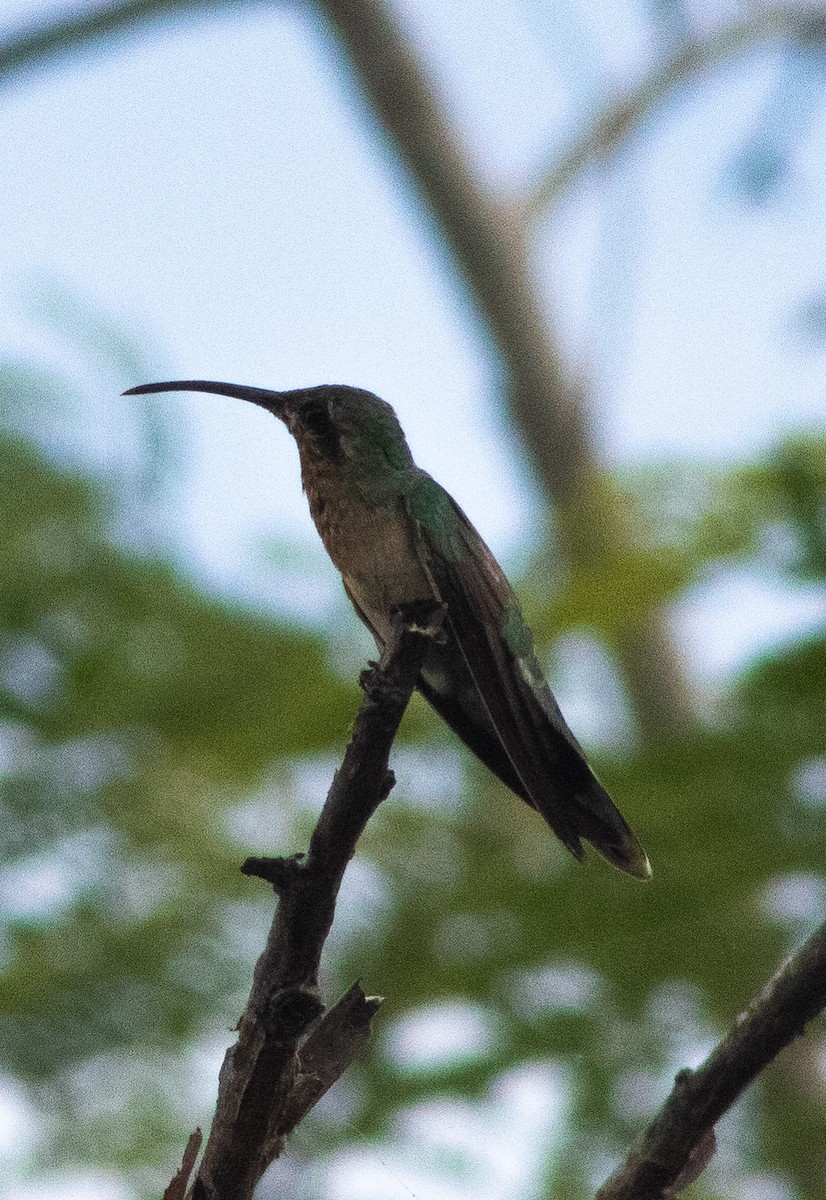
273 402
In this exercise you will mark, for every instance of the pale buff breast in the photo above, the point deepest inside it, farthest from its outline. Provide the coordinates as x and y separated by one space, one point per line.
373 549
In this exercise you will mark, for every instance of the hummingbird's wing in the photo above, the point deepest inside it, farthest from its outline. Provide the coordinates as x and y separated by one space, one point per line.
448 686
496 644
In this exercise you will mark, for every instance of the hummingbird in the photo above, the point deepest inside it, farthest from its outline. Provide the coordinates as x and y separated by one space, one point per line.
396 536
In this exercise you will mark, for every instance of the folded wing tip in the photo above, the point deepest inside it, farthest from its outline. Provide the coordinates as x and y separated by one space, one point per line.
631 859
641 868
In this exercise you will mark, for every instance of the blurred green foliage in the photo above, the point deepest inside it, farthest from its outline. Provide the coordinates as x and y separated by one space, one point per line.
151 735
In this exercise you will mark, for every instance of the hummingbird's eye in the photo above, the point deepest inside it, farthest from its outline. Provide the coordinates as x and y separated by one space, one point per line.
316 419
318 423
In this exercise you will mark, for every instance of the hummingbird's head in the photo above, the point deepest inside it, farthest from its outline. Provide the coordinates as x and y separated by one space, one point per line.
332 423
346 426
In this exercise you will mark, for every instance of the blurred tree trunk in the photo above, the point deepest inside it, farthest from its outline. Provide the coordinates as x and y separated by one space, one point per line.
550 413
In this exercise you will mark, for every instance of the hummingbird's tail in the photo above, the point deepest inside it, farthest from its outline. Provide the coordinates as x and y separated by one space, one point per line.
594 817
570 797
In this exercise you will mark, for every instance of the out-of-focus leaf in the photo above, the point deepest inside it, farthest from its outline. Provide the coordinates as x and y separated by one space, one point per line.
687 516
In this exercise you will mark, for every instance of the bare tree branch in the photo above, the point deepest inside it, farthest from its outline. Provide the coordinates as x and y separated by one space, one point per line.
327 1051
680 1140
625 115
178 1184
37 43
287 1054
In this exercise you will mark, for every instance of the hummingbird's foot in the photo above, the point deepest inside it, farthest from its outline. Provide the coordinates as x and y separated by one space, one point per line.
366 676
426 616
